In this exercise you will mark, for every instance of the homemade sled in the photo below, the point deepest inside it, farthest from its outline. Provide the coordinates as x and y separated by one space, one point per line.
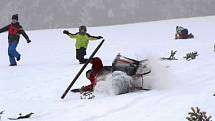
136 69
127 75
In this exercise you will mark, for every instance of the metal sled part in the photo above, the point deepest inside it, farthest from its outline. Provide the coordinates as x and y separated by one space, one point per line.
130 66
134 68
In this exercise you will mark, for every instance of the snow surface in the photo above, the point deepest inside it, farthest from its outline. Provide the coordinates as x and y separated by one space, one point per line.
48 66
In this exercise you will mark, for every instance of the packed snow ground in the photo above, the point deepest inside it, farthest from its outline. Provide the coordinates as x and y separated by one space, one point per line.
48 65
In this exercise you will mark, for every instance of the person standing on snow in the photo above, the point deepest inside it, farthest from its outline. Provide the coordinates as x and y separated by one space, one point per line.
97 68
82 40
14 30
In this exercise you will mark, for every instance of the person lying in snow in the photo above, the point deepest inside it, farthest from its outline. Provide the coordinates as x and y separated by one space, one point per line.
96 69
182 33
82 40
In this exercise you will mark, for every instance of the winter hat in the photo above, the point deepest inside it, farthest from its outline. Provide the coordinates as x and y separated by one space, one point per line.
15 16
83 28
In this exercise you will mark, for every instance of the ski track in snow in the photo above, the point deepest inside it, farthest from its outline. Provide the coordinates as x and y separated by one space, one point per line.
115 110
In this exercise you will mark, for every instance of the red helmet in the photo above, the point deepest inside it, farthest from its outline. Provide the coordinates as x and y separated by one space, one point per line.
97 64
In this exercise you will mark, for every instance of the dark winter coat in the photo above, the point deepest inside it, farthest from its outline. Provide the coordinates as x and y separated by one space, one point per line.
14 31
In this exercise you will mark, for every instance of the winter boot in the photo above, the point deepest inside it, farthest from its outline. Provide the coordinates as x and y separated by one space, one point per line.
13 64
18 58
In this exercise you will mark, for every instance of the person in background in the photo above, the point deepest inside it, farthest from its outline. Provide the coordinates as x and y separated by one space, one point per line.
14 30
182 33
82 40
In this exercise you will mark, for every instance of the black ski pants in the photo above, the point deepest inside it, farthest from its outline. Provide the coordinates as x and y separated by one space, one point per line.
80 53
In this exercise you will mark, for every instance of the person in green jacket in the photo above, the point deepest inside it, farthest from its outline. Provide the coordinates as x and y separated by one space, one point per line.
82 40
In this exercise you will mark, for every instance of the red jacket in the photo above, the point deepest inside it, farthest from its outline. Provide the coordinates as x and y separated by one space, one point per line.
97 66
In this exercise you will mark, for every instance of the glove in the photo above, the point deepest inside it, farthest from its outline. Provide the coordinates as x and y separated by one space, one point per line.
99 37
28 41
65 32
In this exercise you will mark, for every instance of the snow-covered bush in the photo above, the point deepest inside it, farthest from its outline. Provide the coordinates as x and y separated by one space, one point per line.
197 115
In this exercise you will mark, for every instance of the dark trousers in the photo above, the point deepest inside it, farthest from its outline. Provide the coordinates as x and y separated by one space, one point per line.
12 53
80 53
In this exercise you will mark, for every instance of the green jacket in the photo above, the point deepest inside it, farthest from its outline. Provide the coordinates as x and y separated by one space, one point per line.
82 40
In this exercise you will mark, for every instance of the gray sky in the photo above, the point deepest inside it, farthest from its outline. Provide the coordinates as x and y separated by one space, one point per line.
43 14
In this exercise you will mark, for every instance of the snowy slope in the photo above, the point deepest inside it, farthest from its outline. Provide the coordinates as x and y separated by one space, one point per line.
48 65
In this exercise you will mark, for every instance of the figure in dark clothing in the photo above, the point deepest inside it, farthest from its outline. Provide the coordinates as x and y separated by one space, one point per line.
182 33
14 30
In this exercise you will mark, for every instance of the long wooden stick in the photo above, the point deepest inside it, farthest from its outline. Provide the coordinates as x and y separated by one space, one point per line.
82 69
